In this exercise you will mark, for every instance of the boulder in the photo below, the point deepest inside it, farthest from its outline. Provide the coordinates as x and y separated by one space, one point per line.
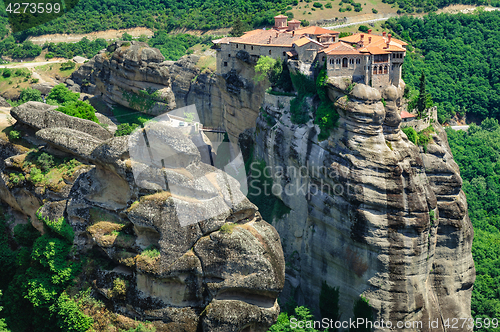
40 116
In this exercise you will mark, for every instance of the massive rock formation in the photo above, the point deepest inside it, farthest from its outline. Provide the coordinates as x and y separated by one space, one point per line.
231 102
221 274
130 74
371 213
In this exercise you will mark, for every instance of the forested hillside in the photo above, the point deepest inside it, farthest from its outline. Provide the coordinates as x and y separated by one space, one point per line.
92 15
460 56
477 152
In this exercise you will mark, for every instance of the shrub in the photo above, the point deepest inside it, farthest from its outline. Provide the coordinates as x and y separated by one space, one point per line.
119 289
59 226
328 5
374 11
14 135
69 316
79 109
45 161
151 252
363 28
68 65
317 5
60 95
6 72
411 134
49 56
126 37
30 94
125 129
36 176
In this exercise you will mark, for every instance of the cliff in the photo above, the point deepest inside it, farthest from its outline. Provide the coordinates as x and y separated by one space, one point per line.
371 213
221 274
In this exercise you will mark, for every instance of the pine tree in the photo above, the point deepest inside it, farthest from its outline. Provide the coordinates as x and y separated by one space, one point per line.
422 97
239 27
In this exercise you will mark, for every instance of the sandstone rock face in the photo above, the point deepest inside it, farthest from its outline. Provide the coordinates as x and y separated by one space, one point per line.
124 73
371 213
221 274
40 116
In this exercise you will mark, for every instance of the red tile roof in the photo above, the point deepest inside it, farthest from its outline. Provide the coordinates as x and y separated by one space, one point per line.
314 30
375 44
267 37
340 48
405 115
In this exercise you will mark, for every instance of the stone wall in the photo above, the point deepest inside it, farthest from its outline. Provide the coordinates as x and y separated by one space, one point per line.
421 124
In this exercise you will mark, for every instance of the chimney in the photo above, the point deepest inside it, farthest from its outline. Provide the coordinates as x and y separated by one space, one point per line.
369 31
293 33
277 34
389 36
369 40
383 33
269 41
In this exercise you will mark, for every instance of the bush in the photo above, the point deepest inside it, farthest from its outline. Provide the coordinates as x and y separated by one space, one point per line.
126 37
68 65
328 5
411 134
59 226
45 161
363 28
6 72
125 129
79 109
30 94
60 95
317 5
14 135
49 56
374 11
69 316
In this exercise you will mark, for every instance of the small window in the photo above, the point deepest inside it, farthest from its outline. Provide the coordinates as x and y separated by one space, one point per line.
244 47
331 61
284 53
351 61
337 61
392 67
380 70
393 55
236 45
374 70
225 63
229 55
269 52
358 61
323 59
385 70
344 62
251 47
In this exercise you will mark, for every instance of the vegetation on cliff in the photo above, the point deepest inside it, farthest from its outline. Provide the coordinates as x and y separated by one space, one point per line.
477 152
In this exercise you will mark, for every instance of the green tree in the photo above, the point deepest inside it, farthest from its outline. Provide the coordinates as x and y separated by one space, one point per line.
329 302
490 124
29 94
264 68
127 37
302 321
362 310
60 95
239 28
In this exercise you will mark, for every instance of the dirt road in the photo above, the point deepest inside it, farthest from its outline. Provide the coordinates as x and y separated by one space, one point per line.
31 64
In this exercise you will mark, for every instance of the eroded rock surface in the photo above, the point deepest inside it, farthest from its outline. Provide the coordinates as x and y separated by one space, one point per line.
121 74
378 217
223 273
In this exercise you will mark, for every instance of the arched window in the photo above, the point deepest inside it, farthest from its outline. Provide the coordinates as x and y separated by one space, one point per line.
244 46
380 70
358 61
375 70
236 45
385 70
344 62
323 58
351 61
337 61
331 61
229 55
393 55
269 52
251 47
